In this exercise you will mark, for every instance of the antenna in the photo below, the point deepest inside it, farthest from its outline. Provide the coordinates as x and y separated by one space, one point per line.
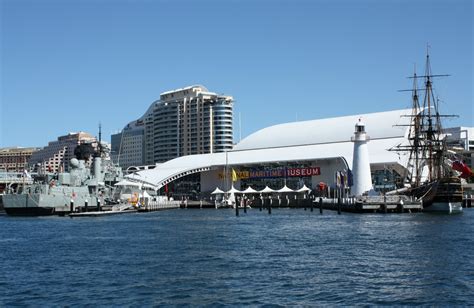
100 132
99 146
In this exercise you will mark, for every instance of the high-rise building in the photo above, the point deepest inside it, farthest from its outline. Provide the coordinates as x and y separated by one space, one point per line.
15 159
128 146
182 122
55 157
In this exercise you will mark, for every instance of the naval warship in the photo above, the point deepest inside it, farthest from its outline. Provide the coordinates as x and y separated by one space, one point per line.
87 185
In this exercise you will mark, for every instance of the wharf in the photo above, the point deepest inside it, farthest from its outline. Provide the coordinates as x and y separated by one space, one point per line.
194 204
467 201
161 205
366 204
101 213
121 208
375 204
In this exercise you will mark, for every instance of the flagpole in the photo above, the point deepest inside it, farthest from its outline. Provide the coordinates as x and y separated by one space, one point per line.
226 169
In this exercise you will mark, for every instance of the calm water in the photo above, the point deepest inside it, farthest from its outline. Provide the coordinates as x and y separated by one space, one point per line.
211 257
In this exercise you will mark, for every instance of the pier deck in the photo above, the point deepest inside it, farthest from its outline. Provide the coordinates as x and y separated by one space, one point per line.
101 213
159 206
376 204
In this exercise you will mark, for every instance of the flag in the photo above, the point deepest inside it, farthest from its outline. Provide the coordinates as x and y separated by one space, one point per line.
167 191
234 175
338 179
350 179
460 166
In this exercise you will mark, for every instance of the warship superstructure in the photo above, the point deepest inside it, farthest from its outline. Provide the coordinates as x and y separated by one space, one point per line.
88 184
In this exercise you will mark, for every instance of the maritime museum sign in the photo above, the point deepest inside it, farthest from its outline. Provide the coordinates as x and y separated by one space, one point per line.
276 173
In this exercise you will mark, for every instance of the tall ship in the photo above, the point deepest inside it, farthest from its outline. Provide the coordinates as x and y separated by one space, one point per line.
433 172
87 185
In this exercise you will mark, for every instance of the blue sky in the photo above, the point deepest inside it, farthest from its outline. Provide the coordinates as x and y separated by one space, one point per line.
68 65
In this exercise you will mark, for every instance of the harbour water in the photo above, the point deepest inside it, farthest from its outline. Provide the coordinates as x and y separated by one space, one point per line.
212 257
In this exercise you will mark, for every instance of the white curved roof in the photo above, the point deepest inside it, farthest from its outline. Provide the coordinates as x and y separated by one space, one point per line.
299 141
379 125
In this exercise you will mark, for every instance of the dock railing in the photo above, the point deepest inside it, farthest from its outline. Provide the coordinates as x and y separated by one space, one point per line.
157 205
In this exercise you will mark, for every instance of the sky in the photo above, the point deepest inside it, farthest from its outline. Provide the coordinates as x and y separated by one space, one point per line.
67 66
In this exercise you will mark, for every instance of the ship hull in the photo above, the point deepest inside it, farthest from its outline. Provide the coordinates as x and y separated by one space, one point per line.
39 204
441 196
444 207
22 211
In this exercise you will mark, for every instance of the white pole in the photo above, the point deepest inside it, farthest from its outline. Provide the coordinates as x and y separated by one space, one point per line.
240 127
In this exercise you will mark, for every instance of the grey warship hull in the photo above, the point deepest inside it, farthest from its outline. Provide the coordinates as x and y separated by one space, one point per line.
83 186
55 202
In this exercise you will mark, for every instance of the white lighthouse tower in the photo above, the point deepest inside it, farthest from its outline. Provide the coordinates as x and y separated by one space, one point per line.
362 181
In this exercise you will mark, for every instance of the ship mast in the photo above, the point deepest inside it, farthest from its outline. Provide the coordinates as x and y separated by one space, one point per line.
99 145
435 143
427 146
415 132
430 133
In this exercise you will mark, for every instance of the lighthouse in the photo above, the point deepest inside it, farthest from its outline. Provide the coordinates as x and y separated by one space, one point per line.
362 181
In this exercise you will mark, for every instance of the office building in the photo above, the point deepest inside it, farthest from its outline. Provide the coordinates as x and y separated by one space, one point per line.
15 159
55 157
